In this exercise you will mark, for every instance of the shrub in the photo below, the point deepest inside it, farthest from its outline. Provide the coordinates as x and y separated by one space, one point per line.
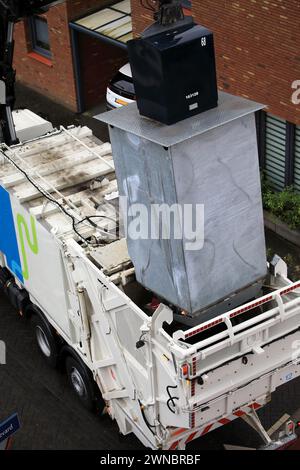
285 204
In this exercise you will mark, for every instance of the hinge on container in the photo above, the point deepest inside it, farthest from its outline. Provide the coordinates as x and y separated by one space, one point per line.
280 304
230 329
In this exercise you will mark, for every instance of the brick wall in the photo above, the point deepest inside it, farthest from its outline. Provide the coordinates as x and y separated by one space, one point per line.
141 17
77 8
257 47
55 78
99 63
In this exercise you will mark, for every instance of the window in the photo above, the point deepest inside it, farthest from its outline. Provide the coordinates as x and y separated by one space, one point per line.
187 4
279 148
297 158
40 35
275 157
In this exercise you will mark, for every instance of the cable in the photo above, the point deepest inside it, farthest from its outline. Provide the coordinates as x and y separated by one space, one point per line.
5 6
54 201
150 426
147 7
143 5
90 217
152 7
171 399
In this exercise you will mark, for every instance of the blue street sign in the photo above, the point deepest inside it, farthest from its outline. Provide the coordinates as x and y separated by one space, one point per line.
9 427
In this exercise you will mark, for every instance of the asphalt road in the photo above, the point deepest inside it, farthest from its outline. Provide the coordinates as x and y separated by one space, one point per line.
51 417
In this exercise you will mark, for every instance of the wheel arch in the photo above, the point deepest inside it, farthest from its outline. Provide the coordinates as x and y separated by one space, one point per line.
33 309
67 351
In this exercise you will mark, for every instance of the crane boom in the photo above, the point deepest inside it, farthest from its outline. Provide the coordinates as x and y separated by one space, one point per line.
12 11
169 12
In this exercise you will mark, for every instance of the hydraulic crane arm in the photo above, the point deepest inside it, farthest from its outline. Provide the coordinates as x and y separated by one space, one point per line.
12 11
169 12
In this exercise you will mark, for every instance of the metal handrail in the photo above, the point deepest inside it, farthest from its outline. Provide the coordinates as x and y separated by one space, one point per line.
231 331
88 148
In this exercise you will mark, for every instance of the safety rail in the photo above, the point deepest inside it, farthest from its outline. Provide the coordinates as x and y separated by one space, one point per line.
226 318
11 156
92 152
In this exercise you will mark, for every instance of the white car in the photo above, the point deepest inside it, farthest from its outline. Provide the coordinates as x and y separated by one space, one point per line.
120 91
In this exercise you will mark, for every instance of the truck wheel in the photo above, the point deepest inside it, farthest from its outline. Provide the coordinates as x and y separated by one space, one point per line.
81 383
46 340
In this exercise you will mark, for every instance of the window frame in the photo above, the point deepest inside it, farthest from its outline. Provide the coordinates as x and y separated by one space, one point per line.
296 156
290 153
34 39
290 146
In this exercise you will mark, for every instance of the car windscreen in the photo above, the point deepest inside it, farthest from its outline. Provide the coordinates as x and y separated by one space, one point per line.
122 84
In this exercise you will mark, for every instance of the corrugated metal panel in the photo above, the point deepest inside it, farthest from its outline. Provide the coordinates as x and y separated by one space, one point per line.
113 22
117 28
123 6
103 17
297 159
275 151
213 159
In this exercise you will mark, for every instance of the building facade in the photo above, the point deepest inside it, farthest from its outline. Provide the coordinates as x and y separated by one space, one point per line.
70 56
258 57
45 61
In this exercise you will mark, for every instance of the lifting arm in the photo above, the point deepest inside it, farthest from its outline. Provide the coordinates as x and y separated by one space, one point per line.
169 12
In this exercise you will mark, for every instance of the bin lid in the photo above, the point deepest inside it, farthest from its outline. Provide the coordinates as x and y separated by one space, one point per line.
128 118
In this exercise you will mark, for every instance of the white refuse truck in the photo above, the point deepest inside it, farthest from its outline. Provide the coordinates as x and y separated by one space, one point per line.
64 266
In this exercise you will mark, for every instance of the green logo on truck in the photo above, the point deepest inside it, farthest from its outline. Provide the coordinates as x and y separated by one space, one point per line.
27 239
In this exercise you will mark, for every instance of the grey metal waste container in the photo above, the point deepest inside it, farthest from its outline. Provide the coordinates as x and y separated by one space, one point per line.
210 160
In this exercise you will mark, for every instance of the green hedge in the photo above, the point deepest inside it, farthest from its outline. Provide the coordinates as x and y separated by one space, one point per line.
285 204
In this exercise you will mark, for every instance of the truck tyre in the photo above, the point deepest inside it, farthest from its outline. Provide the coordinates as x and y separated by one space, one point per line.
81 383
46 340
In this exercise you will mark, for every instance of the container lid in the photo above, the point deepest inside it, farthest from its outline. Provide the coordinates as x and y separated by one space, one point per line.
129 119
177 36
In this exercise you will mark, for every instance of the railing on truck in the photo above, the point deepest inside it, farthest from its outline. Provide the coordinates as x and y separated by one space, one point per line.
232 373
